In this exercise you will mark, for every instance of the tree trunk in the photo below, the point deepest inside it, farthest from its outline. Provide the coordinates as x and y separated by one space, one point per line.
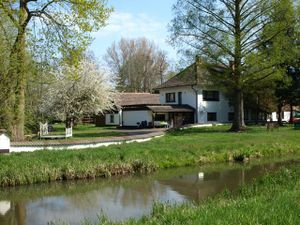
20 213
19 74
238 121
257 110
69 122
17 129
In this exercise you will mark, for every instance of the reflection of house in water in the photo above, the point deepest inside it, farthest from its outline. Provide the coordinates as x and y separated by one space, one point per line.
117 199
196 188
4 207
12 213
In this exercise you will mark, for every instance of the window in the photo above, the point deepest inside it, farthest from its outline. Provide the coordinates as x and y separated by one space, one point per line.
170 97
179 98
211 96
211 116
230 116
112 118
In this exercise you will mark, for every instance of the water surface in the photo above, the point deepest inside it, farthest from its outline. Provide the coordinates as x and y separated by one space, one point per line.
122 198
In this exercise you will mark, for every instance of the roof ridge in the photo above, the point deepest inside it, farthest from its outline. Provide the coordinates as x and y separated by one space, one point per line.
179 78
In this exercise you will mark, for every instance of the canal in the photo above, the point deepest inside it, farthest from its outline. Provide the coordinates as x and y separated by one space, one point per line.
121 198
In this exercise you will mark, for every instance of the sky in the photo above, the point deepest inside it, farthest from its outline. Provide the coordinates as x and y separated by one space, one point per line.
134 19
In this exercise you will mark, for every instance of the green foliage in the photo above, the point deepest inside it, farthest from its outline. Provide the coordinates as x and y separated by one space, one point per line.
278 52
6 37
231 34
53 28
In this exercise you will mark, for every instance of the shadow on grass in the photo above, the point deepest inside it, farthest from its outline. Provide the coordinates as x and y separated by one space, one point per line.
189 131
222 129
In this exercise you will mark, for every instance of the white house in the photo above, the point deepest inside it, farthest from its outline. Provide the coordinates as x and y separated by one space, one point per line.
286 113
183 99
130 110
186 98
187 88
145 110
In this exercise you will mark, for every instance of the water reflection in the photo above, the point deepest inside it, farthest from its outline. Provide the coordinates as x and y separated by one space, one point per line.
119 198
4 207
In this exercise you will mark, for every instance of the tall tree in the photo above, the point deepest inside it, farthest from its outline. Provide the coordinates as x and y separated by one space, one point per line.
286 44
138 65
57 23
287 92
228 32
6 35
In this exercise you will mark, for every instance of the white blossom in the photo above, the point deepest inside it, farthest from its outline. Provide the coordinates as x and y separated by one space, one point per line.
78 91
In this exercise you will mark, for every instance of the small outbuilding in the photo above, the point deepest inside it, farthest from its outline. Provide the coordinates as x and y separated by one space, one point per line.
157 115
140 110
4 143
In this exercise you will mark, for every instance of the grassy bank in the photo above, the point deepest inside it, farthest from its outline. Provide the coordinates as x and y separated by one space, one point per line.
178 148
273 199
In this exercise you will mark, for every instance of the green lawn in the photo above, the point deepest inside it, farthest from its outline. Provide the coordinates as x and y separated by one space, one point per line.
86 132
273 199
178 148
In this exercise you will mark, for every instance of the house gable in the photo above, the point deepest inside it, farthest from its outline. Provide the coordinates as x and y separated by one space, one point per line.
191 87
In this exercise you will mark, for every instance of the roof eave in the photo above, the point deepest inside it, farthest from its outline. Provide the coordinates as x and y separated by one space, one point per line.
172 86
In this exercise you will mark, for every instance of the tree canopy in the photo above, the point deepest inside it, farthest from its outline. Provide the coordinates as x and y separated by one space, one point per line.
54 27
230 33
138 65
77 91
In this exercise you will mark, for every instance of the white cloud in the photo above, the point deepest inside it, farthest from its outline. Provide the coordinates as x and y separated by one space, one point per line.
129 25
124 24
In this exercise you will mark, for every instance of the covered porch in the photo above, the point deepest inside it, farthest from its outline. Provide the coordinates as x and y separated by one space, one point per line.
172 116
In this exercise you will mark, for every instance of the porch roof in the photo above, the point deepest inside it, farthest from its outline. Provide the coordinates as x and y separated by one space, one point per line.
171 108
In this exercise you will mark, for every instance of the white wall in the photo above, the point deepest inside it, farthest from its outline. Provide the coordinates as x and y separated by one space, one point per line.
221 107
131 118
285 118
188 95
116 119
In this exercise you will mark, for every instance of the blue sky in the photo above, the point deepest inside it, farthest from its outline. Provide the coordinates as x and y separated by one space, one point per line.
133 19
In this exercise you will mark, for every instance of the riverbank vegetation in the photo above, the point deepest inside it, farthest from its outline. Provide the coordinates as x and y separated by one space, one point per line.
177 148
273 199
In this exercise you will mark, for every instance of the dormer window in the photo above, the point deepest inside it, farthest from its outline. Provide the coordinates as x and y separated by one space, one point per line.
170 97
211 96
